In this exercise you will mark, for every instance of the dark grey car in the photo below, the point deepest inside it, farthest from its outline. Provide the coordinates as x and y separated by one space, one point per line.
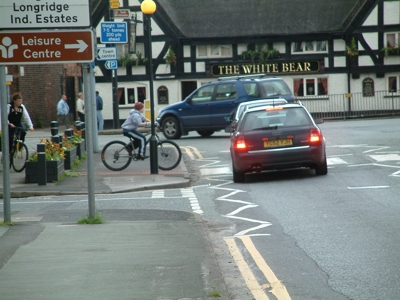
277 137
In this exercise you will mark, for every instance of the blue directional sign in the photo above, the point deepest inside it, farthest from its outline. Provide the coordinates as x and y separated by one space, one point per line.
114 32
111 64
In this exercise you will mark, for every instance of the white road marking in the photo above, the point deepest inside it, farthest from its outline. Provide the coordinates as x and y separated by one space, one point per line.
194 203
368 187
335 161
215 171
386 157
157 194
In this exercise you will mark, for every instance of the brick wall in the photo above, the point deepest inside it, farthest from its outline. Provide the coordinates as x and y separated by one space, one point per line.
41 87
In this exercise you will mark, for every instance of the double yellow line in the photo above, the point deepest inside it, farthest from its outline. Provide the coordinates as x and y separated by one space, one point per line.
192 152
276 287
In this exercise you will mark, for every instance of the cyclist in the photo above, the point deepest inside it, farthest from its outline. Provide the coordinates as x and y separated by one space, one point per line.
136 119
16 114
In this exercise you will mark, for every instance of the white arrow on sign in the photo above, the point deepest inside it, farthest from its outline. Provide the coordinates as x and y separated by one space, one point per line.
111 64
81 46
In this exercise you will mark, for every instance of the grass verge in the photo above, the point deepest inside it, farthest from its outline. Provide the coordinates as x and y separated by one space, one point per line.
98 219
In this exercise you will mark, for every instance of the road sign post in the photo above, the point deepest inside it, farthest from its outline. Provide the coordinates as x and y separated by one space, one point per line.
56 46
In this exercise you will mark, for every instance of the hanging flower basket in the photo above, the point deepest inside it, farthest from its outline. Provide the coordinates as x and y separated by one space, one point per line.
170 57
391 50
351 50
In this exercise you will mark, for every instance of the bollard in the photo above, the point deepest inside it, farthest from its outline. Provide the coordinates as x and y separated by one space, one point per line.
42 170
83 130
69 133
54 128
56 139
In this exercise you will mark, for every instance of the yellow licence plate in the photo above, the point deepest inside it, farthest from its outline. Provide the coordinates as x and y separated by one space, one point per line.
278 143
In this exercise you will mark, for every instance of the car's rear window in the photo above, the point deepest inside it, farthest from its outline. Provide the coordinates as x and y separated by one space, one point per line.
271 118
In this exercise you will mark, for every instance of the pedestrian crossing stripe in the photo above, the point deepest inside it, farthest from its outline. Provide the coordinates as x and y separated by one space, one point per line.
335 161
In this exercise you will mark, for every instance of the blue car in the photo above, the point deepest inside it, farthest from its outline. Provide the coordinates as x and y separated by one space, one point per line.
209 107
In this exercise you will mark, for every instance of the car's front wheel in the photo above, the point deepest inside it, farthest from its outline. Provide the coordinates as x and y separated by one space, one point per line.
322 169
171 129
205 133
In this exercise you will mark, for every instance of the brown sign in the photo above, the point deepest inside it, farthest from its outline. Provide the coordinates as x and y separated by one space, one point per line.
54 46
122 13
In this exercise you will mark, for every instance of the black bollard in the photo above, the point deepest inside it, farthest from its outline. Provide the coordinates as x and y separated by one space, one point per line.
69 133
56 139
54 128
42 170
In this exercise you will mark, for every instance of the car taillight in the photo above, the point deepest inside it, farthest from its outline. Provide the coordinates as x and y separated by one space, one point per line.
315 135
240 143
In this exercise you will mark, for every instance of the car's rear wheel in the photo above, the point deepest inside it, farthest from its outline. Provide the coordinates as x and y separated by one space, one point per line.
171 128
205 133
237 176
322 169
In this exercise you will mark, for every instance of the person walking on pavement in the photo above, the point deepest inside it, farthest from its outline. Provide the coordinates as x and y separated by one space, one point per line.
62 112
130 125
99 107
80 107
17 113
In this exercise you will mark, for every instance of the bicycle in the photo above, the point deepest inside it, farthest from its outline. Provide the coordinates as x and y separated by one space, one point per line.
19 151
116 155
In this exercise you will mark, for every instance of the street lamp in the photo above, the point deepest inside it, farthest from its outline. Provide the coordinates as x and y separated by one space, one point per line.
148 7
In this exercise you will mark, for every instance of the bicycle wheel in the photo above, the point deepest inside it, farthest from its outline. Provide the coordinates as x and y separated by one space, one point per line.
169 155
19 157
115 156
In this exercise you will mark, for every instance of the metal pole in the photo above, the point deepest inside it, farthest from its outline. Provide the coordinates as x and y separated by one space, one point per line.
95 138
116 123
5 147
115 99
87 74
153 139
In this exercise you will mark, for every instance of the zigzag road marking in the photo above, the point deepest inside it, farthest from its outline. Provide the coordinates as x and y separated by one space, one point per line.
228 198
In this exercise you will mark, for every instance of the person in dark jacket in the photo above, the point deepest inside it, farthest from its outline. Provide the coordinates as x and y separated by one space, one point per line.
99 108
17 113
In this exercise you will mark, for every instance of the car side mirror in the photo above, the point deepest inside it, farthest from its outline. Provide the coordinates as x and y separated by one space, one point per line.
230 129
319 121
228 119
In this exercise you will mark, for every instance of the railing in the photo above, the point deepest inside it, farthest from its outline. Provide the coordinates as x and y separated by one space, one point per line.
383 103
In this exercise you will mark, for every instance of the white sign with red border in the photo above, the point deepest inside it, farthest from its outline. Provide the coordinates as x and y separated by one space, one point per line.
19 14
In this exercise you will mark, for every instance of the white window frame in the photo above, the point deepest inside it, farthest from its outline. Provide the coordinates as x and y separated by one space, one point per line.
305 95
127 104
305 47
210 51
396 38
397 77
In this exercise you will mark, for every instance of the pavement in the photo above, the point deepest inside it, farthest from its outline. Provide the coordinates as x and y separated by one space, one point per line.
136 254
